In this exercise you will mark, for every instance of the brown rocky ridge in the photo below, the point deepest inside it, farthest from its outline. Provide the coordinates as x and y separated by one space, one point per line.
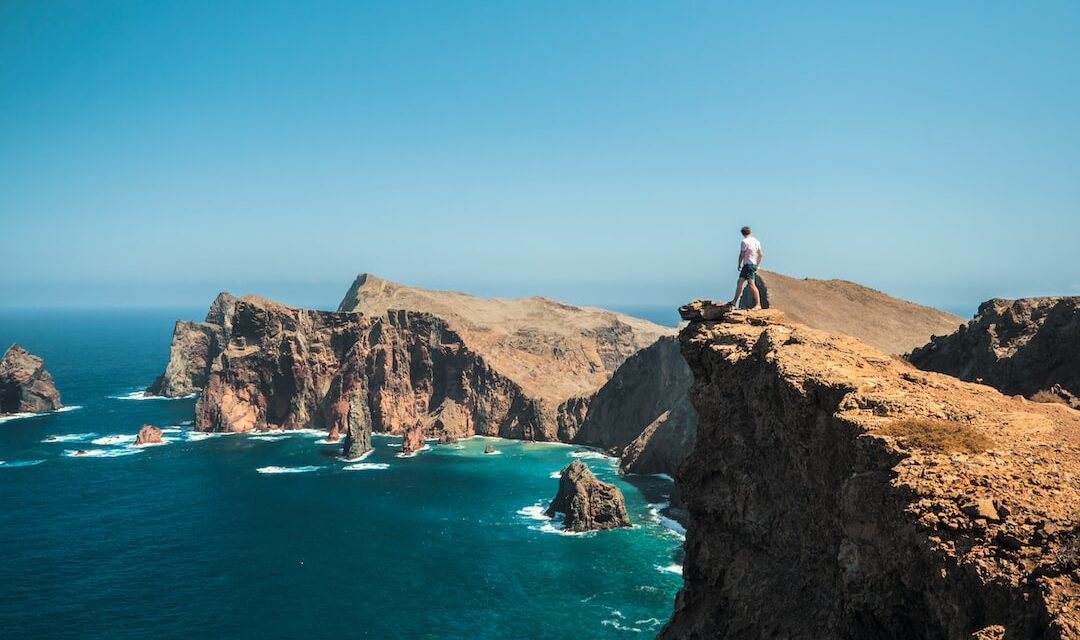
835 491
148 434
25 385
1027 347
587 504
272 366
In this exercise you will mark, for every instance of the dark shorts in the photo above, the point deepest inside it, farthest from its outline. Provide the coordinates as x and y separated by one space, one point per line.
748 272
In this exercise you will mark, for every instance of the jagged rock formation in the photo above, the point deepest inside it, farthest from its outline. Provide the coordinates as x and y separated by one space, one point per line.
1017 346
148 434
279 367
489 448
25 385
193 346
413 440
586 503
448 438
829 496
558 354
642 414
838 306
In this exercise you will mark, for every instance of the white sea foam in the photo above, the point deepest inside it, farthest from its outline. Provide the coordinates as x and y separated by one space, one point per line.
273 469
102 453
143 395
671 568
69 437
671 525
494 452
357 458
590 455
21 416
555 475
119 438
619 626
550 525
20 463
393 445
664 476
266 438
366 466
413 454
199 435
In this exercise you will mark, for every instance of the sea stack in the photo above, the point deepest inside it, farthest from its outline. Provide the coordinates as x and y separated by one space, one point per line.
490 448
586 503
25 385
148 434
414 439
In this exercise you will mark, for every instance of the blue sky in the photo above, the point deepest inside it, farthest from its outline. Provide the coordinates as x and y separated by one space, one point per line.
602 152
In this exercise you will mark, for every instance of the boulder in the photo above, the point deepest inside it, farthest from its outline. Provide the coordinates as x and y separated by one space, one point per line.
25 385
586 503
148 434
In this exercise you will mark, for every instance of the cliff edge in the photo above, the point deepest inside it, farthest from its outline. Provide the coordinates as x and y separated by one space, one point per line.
835 491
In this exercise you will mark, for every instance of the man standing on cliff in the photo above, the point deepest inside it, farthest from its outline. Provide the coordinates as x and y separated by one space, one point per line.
750 256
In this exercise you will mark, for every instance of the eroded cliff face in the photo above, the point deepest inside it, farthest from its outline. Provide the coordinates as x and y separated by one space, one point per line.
642 413
277 367
25 385
820 509
194 346
1021 347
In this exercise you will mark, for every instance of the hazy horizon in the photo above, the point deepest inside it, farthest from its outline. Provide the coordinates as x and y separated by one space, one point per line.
156 154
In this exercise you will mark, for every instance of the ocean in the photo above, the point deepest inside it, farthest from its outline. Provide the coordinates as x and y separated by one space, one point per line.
274 536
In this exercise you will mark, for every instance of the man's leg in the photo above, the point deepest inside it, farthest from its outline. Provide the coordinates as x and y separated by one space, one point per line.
738 293
757 297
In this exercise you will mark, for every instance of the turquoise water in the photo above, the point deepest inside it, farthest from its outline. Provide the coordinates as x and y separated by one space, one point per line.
190 539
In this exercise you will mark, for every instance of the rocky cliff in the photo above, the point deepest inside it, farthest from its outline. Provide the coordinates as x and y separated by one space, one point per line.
835 491
586 503
277 367
1020 347
642 414
25 385
557 353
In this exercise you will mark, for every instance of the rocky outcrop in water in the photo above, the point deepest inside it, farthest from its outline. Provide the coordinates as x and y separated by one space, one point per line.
835 491
25 385
148 434
586 503
413 440
1021 347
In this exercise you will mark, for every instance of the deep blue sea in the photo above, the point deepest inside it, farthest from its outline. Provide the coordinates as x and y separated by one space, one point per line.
275 537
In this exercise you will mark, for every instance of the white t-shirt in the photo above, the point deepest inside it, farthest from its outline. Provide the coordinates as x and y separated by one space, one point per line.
748 251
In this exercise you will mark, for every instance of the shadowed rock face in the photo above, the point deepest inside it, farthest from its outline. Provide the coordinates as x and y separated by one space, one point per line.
1020 347
642 414
278 367
809 521
25 385
586 503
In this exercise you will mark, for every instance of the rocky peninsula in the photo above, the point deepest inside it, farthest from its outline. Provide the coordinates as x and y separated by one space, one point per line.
835 491
25 385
